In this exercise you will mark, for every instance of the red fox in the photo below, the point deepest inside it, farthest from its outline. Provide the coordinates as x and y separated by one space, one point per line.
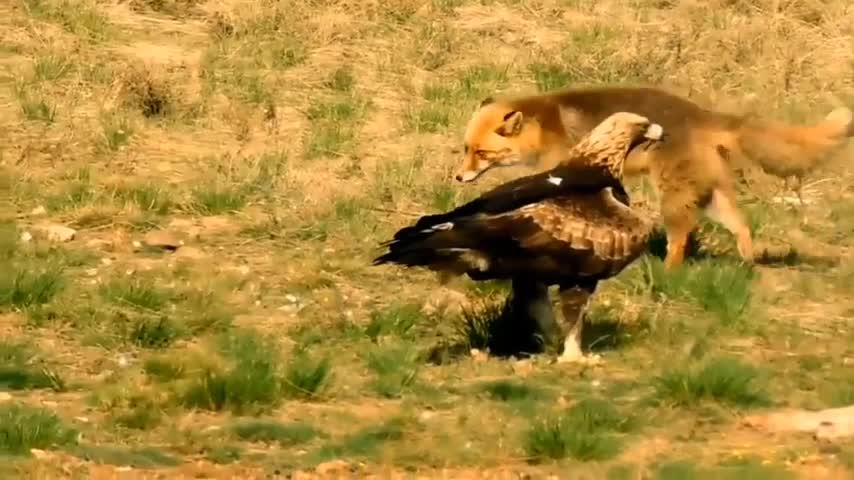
692 173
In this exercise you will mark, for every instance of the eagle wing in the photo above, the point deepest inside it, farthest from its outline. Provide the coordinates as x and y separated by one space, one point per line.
576 178
575 235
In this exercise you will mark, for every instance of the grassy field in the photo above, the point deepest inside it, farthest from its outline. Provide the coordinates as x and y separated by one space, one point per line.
229 167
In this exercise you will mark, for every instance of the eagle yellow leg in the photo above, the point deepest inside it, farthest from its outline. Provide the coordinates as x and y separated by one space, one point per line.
574 301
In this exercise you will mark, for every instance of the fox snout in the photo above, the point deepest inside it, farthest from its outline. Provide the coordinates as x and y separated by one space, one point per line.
469 170
465 176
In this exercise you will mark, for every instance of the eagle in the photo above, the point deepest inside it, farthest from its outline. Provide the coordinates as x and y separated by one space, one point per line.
571 226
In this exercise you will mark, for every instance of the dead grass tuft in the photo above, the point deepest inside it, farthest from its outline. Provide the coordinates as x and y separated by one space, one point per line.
146 91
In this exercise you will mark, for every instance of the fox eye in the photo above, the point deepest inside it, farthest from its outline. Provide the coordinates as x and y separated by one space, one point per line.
481 153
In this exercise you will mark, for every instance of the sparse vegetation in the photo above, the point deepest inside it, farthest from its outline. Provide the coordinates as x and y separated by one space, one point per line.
584 432
23 427
284 434
20 369
256 378
229 167
723 379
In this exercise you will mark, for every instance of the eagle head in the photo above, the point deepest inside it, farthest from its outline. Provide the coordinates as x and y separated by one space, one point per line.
611 141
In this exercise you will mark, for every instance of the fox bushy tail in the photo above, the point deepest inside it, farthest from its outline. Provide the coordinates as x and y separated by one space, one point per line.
783 149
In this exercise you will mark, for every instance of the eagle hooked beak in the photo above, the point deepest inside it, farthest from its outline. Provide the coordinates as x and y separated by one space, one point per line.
654 132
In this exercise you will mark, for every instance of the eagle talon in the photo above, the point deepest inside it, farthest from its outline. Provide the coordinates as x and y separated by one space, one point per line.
580 358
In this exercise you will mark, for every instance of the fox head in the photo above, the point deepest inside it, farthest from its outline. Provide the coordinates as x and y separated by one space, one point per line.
497 136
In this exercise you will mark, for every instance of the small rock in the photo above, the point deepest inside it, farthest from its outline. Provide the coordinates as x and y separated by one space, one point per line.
162 239
59 233
291 298
5 396
91 272
26 237
426 415
107 261
82 419
40 210
122 361
332 467
136 244
477 355
40 454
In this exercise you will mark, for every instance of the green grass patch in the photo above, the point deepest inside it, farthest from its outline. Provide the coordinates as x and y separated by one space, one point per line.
341 80
137 412
256 378
334 125
23 427
37 108
23 286
366 443
397 320
49 68
440 108
395 367
163 368
81 18
721 288
158 331
510 391
588 431
273 432
306 377
138 457
137 292
116 132
77 191
218 199
723 379
148 197
21 369
550 77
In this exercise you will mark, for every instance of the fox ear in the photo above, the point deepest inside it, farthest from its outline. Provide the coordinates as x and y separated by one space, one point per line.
512 124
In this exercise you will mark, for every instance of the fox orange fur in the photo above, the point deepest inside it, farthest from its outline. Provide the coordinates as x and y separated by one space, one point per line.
692 173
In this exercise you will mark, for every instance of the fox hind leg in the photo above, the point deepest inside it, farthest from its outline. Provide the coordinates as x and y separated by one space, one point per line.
723 210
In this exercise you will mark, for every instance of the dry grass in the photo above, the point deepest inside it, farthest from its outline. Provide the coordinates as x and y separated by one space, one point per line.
280 140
